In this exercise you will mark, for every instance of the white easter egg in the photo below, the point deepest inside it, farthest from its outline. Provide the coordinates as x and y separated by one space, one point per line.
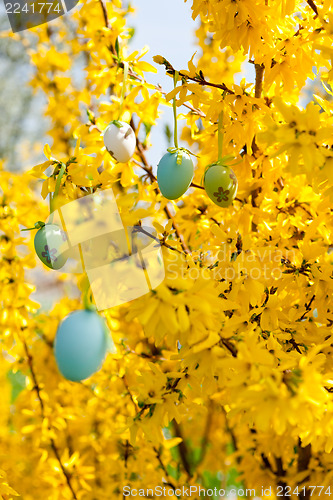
120 141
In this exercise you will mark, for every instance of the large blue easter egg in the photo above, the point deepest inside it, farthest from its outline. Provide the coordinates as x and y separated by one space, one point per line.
174 178
81 345
220 184
51 245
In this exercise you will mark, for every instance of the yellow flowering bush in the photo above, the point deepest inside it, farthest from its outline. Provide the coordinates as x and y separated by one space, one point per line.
222 376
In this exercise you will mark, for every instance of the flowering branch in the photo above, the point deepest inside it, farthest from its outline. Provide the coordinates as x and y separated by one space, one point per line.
198 78
158 453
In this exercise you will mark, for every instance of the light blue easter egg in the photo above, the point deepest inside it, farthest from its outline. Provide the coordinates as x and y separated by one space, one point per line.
81 345
174 178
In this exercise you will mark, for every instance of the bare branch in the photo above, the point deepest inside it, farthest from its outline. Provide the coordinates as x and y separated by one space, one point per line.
182 448
304 456
259 77
313 6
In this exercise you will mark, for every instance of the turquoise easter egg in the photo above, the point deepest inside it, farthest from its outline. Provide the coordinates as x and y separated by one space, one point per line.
220 184
51 245
174 178
81 345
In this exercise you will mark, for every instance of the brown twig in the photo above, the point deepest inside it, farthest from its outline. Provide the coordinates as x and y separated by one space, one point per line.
177 231
304 456
280 474
231 434
307 308
198 78
158 453
105 13
259 78
182 448
313 6
230 346
266 462
205 437
159 458
161 241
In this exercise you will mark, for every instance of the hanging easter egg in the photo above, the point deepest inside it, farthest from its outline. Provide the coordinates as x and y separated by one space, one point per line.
81 345
175 173
120 140
51 245
220 184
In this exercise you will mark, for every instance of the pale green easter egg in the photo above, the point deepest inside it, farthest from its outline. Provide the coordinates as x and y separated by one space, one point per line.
51 245
174 178
221 184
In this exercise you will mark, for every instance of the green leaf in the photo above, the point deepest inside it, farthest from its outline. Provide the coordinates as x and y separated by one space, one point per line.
117 123
211 480
168 133
116 46
131 32
173 472
18 383
232 476
91 116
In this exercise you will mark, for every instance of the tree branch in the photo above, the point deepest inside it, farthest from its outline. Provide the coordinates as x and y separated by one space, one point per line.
205 437
280 474
313 6
198 78
231 434
230 346
259 77
304 456
158 453
105 13
177 231
182 448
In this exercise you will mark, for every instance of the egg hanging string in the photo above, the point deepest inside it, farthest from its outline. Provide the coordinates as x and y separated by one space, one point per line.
123 90
40 224
175 134
176 148
220 136
56 191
